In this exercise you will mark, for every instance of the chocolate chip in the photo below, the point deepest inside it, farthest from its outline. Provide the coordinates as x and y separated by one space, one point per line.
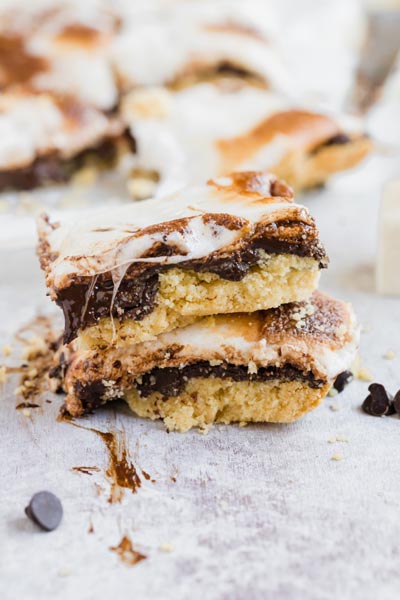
378 402
342 380
45 510
396 402
340 138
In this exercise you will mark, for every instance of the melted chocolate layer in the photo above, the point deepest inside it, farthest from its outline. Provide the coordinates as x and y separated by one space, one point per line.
340 139
170 382
54 169
137 292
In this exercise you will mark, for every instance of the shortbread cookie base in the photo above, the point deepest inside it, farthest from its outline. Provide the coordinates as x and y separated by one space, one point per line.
304 171
214 400
185 296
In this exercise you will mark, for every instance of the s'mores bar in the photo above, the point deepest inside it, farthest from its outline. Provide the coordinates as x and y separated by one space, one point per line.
46 138
268 366
200 41
58 93
125 275
214 128
59 47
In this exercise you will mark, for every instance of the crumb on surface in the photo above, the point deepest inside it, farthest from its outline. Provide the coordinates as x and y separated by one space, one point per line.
364 374
3 375
36 346
166 547
64 572
26 412
337 438
332 392
32 373
389 355
7 350
360 372
337 456
335 407
204 429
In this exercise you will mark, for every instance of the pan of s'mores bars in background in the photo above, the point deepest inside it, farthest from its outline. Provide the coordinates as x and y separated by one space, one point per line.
199 234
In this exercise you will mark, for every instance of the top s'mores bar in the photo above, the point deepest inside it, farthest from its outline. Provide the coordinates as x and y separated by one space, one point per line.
237 244
46 138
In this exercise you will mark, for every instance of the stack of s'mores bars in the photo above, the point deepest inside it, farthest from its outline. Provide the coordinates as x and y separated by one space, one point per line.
199 307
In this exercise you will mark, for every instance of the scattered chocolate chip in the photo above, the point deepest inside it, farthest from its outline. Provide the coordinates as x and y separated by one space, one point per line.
378 402
45 509
342 380
396 402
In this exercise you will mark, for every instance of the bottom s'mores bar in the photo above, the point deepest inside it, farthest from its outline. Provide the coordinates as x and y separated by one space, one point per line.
273 365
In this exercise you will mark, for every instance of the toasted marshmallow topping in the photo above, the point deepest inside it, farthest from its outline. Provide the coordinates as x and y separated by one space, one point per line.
189 224
195 39
325 342
213 129
60 47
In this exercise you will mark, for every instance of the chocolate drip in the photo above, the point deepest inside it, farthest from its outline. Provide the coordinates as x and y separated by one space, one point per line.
135 299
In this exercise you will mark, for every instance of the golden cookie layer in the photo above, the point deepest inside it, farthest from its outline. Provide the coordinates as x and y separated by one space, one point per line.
213 400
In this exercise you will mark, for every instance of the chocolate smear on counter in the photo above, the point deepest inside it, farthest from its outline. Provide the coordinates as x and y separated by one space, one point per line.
121 472
127 553
22 405
378 403
148 477
86 470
